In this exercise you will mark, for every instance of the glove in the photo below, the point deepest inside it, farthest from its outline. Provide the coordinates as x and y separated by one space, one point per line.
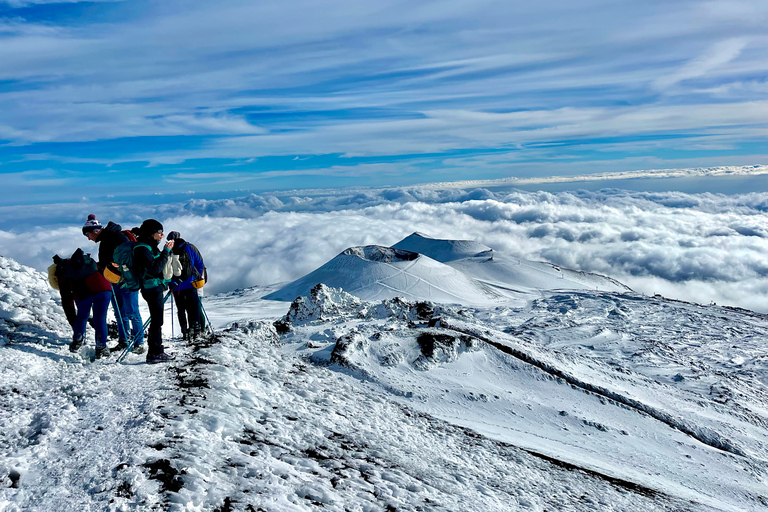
176 265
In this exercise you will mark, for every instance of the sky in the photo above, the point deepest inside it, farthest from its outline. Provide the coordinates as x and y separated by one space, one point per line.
110 99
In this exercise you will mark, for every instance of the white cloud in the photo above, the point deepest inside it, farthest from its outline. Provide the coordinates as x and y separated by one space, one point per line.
718 55
701 247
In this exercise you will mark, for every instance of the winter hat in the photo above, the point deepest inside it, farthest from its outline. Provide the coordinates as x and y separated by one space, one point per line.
91 225
173 235
150 226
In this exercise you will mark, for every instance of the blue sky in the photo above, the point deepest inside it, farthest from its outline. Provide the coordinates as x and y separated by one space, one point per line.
137 98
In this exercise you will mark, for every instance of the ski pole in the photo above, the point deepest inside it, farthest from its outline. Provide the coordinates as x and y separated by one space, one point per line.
118 315
205 314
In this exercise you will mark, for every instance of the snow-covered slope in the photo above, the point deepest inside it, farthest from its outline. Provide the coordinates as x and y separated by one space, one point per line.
507 274
575 400
374 272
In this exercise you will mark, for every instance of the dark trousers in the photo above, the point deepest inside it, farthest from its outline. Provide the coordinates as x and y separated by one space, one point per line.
154 300
188 303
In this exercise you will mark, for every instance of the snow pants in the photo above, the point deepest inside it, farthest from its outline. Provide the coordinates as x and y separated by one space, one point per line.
188 303
128 302
155 303
99 302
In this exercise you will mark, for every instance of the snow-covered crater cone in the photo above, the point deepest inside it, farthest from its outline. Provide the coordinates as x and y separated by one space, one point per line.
439 249
375 272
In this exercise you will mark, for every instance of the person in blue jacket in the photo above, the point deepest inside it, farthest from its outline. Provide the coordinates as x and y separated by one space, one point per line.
193 275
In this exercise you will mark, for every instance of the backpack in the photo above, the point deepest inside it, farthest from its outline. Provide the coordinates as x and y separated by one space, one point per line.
123 257
53 279
129 234
187 270
80 266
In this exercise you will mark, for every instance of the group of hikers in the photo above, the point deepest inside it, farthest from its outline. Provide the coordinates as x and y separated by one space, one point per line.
129 262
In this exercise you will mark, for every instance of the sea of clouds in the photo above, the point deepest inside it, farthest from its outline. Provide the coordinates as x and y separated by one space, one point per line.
697 247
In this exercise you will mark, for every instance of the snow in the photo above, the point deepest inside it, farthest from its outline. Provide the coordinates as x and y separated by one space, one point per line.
584 396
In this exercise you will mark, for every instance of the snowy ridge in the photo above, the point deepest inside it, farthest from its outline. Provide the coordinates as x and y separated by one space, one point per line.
463 362
27 304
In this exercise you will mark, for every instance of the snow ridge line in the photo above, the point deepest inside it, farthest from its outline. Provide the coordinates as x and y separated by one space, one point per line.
712 439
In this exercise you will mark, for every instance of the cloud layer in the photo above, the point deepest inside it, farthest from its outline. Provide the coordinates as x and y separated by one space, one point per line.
697 247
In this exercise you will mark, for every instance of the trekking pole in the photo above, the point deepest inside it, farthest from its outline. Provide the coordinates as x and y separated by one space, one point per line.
139 334
118 315
205 314
172 335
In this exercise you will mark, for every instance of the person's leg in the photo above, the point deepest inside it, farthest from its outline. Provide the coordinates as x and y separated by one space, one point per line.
81 321
100 306
154 300
193 311
123 324
178 296
132 300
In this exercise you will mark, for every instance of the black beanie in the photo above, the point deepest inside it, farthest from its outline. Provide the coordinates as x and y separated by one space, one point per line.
150 226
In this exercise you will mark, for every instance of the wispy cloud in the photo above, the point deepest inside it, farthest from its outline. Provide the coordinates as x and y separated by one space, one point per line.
718 55
179 83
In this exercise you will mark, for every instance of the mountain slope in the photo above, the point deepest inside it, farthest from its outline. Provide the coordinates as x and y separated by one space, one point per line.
576 400
506 274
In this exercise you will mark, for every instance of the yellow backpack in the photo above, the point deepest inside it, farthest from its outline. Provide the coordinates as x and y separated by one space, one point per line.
53 280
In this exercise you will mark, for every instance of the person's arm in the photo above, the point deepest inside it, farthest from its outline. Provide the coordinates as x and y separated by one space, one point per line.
146 263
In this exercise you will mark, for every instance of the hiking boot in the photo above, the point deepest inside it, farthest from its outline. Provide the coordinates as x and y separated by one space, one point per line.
185 335
77 342
102 352
159 358
121 345
138 349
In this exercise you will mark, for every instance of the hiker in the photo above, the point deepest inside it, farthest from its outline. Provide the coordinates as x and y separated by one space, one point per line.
193 277
127 313
148 264
79 280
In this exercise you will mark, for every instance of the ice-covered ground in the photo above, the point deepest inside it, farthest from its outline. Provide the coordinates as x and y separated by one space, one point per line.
575 399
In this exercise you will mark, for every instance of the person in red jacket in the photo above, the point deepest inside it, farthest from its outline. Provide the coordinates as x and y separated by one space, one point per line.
80 279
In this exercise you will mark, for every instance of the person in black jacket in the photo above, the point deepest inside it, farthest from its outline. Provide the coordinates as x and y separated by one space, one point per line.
148 263
109 237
